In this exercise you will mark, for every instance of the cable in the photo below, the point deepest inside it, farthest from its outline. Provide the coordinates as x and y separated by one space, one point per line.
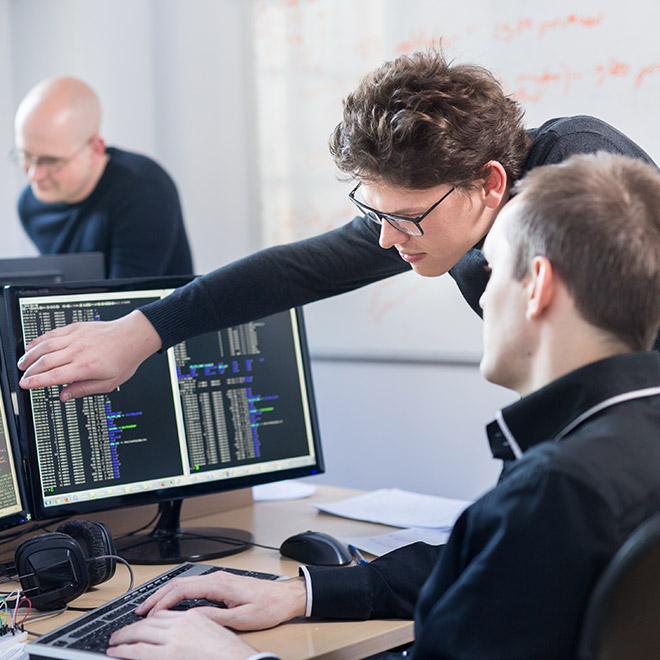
6 609
130 586
40 617
268 547
155 519
17 535
29 602
47 615
18 602
121 560
231 540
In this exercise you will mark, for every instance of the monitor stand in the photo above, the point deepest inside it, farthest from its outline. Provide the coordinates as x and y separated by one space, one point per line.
168 543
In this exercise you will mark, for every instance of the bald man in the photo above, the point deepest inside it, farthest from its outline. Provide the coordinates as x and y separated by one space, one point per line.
84 197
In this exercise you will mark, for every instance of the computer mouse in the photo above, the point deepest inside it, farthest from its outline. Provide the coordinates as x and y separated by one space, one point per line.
316 548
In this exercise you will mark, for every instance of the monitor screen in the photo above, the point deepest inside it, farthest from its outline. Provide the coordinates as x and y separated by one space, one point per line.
13 505
223 410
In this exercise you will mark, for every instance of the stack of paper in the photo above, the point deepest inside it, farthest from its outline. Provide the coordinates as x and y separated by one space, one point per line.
424 518
383 543
399 508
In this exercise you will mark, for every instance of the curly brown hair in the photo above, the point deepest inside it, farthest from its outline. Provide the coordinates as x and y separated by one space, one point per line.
419 121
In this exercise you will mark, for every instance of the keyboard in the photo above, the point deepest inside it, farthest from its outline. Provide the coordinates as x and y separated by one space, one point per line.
88 635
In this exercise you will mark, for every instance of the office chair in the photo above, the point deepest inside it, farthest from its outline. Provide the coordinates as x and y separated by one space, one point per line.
622 621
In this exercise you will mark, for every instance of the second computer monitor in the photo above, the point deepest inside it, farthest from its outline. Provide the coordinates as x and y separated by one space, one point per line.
52 268
14 508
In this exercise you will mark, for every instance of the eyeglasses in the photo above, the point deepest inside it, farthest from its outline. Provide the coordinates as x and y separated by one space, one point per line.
410 226
52 164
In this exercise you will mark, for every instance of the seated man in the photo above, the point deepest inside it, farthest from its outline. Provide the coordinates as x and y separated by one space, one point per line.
571 308
83 197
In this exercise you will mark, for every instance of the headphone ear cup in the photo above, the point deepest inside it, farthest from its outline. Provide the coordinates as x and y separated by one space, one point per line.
52 570
95 541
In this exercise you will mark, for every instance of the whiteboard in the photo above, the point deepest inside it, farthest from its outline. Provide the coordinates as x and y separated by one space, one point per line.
557 59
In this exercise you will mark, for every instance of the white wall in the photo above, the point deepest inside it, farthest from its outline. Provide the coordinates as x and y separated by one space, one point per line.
406 426
176 82
203 116
13 241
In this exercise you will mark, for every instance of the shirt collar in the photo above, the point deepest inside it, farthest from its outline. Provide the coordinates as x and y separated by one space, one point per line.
543 414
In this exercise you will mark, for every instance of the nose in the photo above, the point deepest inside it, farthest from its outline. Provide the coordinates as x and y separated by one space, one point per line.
390 236
34 171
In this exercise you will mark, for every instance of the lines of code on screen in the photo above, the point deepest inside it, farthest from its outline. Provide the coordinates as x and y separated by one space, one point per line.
241 395
9 500
108 440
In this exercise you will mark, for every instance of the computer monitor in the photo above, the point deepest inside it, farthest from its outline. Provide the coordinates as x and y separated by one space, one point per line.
53 268
14 508
224 410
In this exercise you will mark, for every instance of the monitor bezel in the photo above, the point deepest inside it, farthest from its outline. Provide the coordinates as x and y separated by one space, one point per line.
25 515
52 269
26 431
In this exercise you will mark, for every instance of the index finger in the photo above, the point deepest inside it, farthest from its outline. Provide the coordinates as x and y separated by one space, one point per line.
55 332
46 343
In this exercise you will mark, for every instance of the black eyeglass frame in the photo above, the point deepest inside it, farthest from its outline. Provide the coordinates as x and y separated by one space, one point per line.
392 218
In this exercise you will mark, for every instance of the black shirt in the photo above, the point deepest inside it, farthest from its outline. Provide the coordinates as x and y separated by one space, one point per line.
349 257
515 576
133 216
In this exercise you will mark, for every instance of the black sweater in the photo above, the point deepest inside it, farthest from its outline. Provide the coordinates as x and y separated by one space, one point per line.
349 257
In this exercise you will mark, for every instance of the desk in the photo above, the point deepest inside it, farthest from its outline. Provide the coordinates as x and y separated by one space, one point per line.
271 523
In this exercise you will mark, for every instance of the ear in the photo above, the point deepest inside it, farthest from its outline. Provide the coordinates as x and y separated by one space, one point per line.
541 288
98 144
495 183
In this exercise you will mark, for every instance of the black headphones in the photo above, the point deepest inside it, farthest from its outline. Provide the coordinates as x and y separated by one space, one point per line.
55 568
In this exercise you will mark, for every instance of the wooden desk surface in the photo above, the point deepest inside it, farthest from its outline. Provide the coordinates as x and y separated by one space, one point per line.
271 523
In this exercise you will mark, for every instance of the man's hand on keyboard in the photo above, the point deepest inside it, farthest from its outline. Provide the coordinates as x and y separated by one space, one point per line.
252 604
178 636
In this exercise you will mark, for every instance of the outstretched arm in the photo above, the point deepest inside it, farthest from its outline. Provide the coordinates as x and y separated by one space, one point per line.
97 357
276 279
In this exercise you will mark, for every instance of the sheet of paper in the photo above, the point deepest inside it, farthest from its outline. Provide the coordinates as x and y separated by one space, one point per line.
282 490
383 543
399 508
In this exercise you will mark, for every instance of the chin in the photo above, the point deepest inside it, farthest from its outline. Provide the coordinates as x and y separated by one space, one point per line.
47 196
486 369
493 371
429 269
